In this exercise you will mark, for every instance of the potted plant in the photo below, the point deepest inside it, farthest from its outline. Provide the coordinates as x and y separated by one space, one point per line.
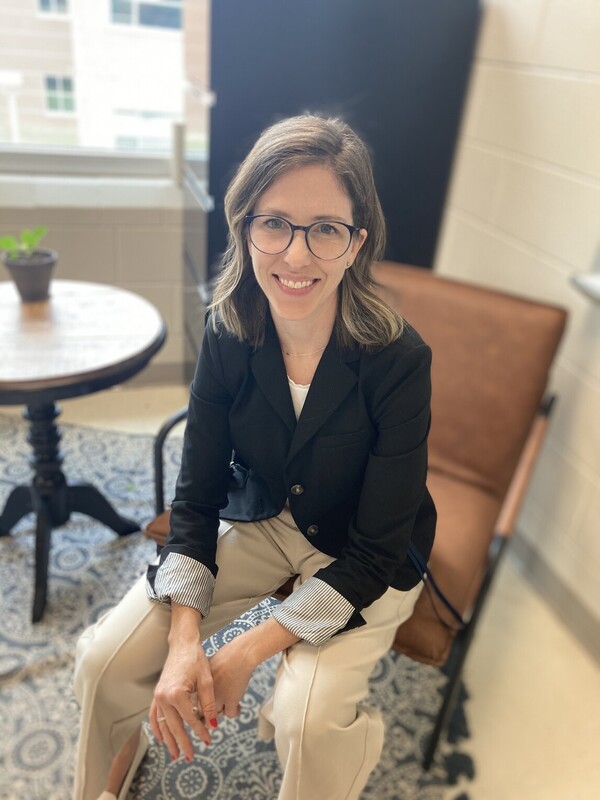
30 266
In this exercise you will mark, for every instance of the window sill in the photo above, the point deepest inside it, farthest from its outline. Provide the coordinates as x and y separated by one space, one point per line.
28 191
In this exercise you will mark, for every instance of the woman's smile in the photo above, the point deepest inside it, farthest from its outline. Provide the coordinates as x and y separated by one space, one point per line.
295 285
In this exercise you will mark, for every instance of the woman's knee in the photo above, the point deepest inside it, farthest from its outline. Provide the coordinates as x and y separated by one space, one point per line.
120 649
93 654
307 709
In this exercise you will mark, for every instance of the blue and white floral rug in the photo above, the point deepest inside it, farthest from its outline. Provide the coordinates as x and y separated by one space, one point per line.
90 569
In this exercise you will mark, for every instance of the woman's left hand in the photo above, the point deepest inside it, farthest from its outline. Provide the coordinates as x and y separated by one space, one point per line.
232 666
231 671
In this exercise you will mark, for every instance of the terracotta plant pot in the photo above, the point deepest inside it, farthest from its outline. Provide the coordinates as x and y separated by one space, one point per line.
32 274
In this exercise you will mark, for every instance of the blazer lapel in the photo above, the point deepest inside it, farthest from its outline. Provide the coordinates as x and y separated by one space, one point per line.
270 375
332 381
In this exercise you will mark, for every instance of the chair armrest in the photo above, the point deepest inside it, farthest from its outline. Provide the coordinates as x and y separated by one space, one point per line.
159 442
522 475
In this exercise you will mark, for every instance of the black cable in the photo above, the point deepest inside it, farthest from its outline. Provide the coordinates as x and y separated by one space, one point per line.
419 564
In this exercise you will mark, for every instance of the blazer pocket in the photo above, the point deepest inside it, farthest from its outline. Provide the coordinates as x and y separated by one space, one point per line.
330 440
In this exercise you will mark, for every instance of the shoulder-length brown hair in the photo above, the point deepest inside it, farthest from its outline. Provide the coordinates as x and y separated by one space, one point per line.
238 301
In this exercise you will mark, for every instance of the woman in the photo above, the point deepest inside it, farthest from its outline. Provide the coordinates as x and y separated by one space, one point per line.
322 395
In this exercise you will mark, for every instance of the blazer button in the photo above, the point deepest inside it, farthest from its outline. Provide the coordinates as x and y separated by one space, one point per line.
297 489
312 530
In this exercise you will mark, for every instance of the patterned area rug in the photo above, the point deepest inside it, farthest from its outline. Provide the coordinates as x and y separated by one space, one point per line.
90 569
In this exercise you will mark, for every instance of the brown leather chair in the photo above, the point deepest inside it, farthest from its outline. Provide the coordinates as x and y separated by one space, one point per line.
492 353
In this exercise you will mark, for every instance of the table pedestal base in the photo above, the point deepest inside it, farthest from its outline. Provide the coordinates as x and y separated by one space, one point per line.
52 499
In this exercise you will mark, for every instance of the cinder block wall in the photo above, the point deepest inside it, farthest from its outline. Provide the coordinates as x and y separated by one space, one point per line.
523 215
139 249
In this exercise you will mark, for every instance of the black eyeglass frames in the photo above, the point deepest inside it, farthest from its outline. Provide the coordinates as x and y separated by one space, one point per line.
326 239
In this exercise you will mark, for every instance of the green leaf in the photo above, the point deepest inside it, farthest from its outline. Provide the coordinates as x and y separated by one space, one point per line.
9 243
28 238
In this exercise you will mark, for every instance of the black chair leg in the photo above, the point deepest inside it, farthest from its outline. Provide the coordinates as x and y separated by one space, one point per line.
459 652
456 663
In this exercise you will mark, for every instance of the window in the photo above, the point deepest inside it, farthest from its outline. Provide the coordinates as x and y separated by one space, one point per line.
53 6
143 130
59 93
153 14
75 79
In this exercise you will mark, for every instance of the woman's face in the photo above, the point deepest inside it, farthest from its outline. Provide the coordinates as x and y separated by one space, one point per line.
298 285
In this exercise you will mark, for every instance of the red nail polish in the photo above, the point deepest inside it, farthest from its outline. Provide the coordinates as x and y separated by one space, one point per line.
214 722
187 759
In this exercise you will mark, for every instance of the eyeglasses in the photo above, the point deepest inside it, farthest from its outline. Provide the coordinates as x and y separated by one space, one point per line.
326 240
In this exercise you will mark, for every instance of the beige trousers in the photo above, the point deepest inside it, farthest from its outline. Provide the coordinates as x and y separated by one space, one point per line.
327 740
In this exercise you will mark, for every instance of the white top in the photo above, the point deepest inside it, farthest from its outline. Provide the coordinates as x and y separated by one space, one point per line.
299 392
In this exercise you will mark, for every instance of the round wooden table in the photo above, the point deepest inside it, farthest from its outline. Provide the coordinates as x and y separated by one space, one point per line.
85 338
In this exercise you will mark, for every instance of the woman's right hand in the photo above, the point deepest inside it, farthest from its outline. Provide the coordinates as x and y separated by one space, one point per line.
184 693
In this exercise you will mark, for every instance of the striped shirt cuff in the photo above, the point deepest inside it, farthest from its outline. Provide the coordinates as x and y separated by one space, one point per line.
183 580
314 612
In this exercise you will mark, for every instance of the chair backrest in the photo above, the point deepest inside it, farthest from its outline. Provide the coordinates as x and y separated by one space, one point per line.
492 353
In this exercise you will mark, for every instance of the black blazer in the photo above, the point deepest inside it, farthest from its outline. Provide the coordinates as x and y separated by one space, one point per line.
353 467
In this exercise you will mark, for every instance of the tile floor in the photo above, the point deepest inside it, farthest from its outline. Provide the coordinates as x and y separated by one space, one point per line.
534 710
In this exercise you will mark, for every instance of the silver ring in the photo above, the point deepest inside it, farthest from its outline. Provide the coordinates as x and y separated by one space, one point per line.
161 719
195 711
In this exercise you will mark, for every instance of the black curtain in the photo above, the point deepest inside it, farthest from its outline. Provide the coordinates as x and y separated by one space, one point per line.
396 70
